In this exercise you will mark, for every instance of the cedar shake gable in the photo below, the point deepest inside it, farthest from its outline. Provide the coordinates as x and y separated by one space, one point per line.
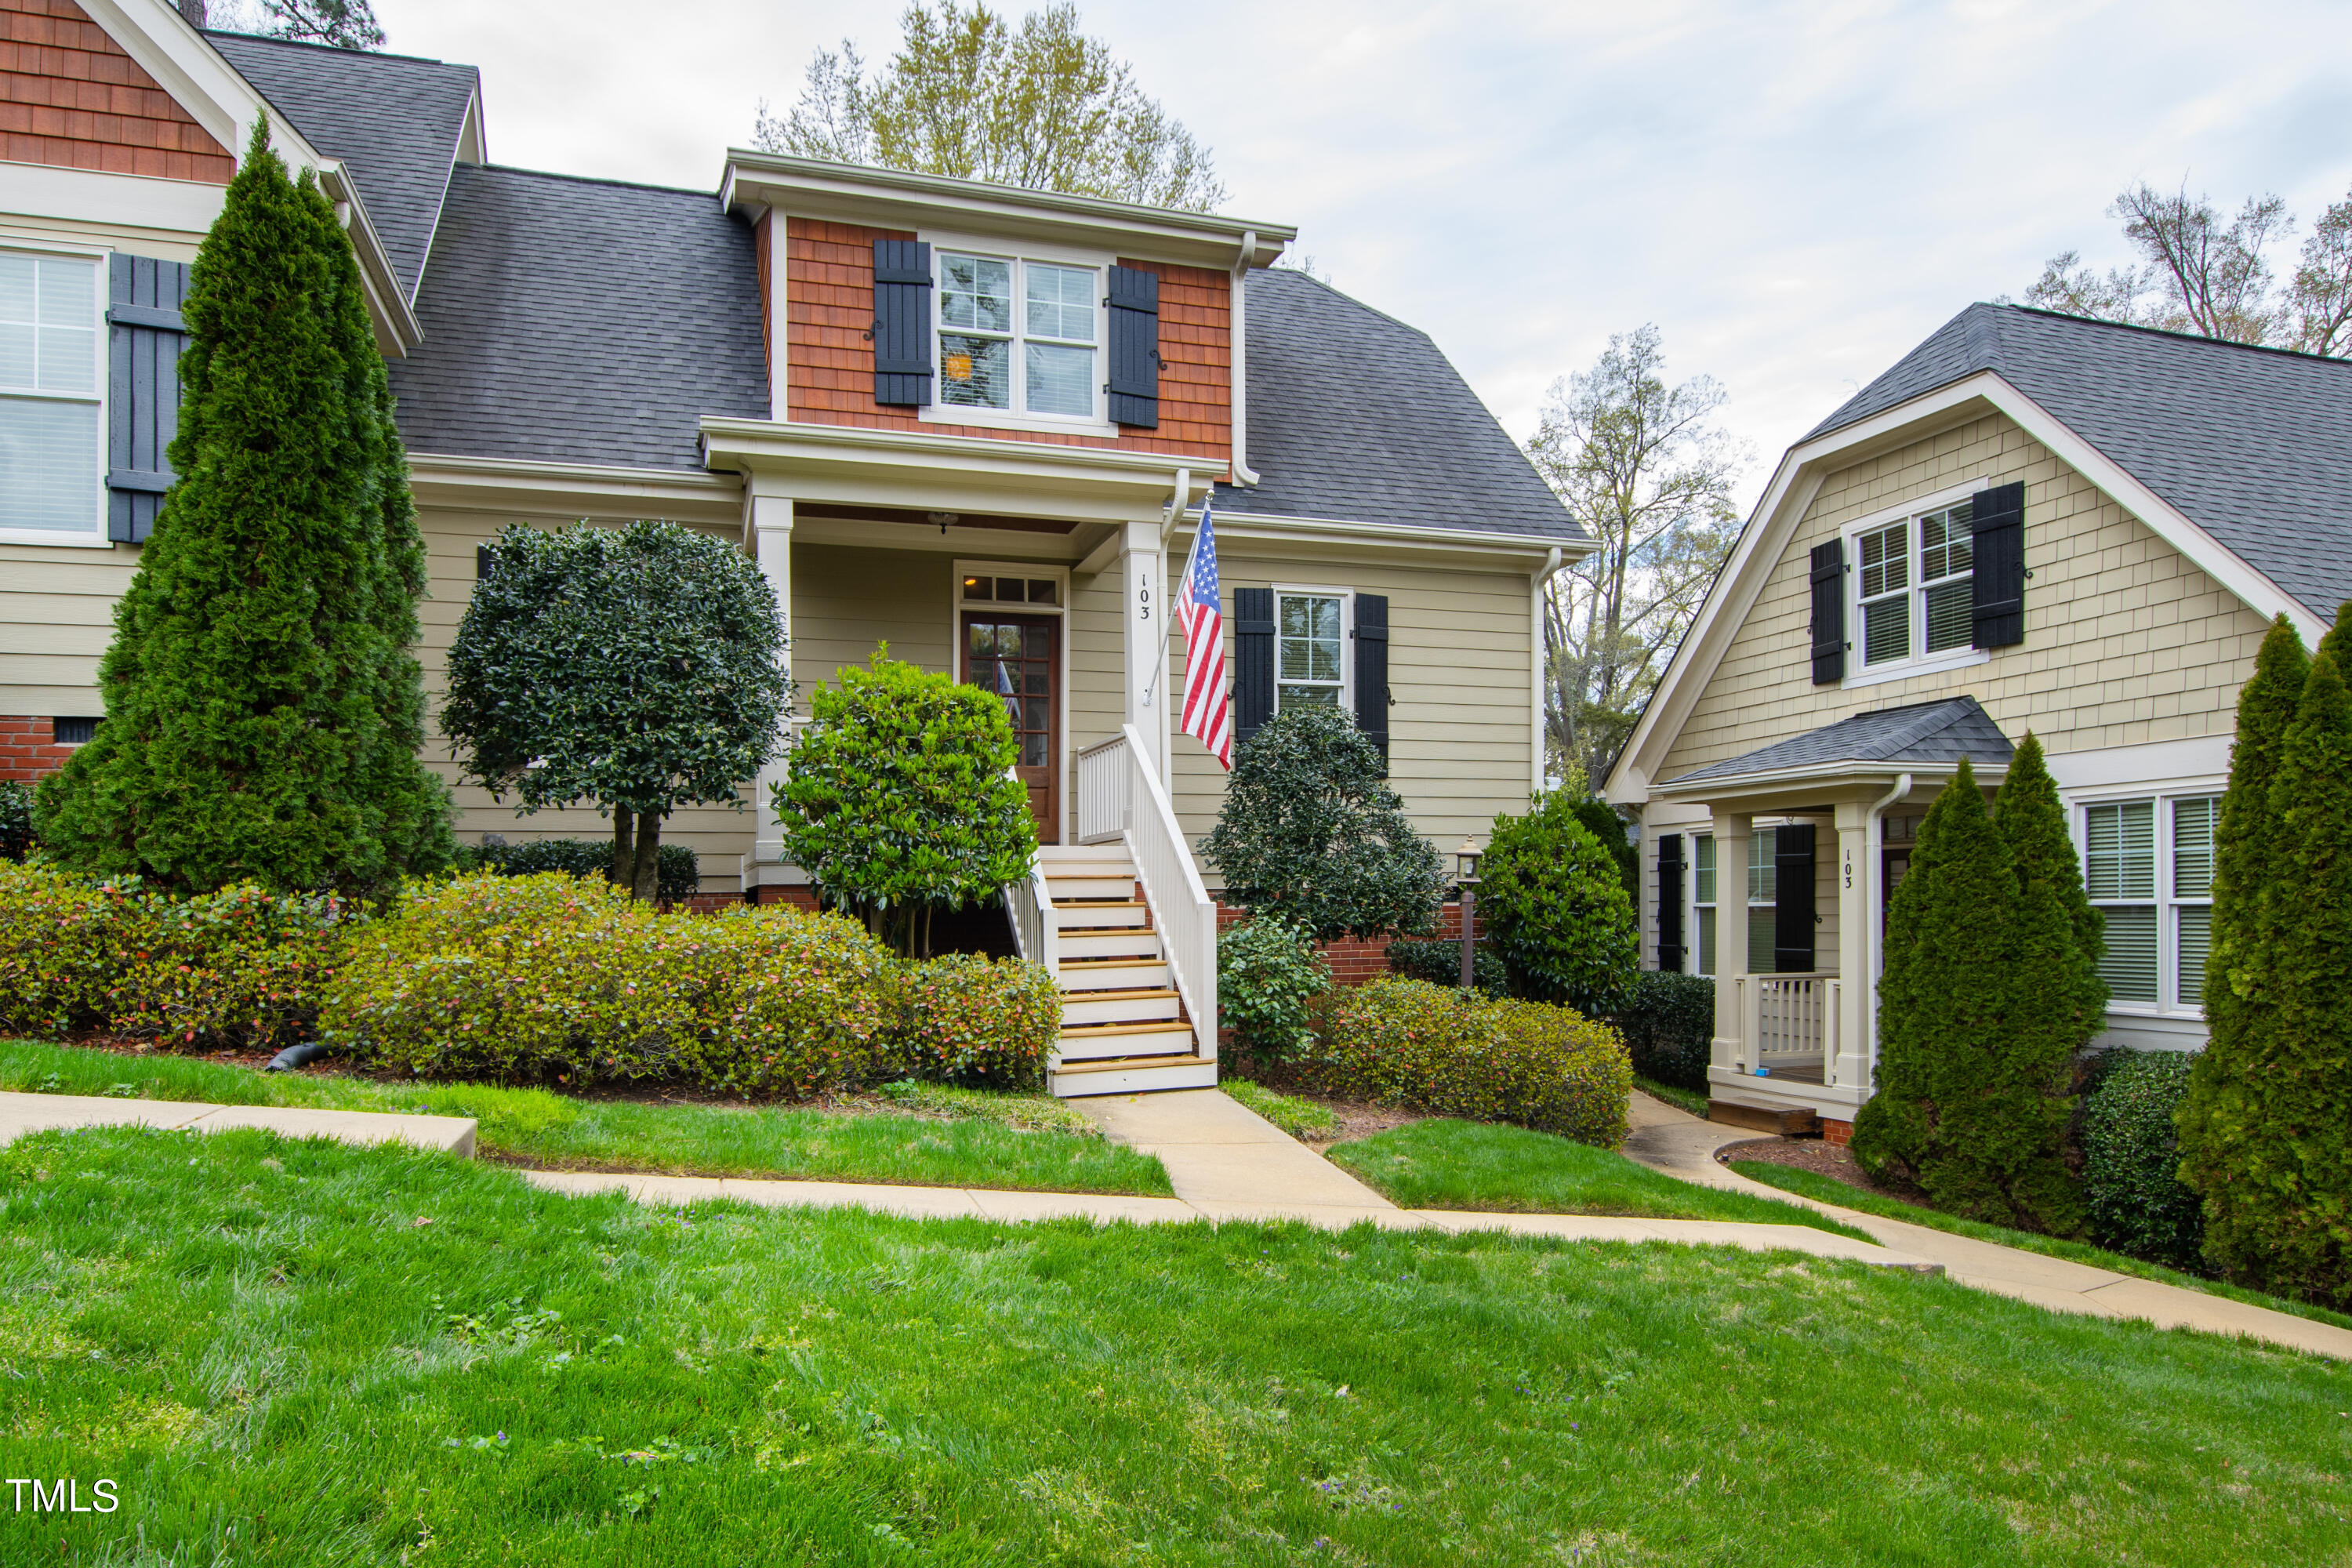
72 97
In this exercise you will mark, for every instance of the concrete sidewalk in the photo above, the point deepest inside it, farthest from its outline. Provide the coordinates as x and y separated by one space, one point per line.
1679 1144
21 1113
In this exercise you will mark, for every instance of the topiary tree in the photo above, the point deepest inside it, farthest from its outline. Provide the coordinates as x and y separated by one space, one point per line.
1311 831
263 711
640 667
1556 909
901 798
1974 1057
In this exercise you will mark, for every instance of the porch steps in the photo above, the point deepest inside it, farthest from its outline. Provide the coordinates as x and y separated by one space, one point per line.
1123 1025
1788 1120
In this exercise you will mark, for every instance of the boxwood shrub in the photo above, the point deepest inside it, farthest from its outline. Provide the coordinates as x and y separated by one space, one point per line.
678 877
1405 1042
2136 1200
1439 961
1668 1022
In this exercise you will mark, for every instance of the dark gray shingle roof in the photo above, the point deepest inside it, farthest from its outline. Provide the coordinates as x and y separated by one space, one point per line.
1354 415
578 321
2255 446
1924 733
393 120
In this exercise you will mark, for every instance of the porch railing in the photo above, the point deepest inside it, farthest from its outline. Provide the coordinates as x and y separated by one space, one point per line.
1119 797
1793 1018
1029 904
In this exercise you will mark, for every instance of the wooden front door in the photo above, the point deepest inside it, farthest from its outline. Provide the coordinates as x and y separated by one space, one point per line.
1019 657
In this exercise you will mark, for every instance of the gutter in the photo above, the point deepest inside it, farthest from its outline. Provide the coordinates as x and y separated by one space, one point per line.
1237 341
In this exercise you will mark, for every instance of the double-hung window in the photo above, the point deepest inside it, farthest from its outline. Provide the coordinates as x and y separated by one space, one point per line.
1019 336
2147 866
1703 898
1763 900
1914 586
51 382
1310 648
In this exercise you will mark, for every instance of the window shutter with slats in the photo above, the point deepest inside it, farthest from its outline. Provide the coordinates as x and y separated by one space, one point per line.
1372 669
1792 909
1670 902
1828 612
902 322
144 336
1996 595
1135 348
1253 662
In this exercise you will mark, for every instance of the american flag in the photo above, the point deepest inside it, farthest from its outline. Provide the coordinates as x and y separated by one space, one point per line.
1208 715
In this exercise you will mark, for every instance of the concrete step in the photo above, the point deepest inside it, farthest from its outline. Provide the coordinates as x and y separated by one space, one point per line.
1092 1042
1142 1007
1100 912
1132 1076
1080 975
1134 944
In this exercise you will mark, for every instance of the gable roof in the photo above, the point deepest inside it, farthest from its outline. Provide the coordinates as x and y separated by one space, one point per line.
577 321
1355 417
395 122
2255 446
1927 733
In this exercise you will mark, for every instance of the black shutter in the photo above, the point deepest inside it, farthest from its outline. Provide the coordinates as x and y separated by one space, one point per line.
1670 902
1253 662
1372 669
902 322
1828 612
144 337
1793 911
1997 593
1135 348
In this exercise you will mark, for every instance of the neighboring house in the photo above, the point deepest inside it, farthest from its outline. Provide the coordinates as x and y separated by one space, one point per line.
2032 522
975 422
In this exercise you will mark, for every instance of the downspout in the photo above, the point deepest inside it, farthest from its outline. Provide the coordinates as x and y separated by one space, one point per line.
1237 337
1874 873
1537 657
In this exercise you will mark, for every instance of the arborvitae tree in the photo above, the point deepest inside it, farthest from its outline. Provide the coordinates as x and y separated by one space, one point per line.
1974 1057
262 710
2032 822
2253 856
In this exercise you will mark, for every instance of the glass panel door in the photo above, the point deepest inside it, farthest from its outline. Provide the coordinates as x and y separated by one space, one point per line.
1018 658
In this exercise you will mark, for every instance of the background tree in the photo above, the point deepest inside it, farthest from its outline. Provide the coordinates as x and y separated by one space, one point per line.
639 668
1638 465
344 24
1310 831
901 798
2192 272
1554 899
262 708
968 94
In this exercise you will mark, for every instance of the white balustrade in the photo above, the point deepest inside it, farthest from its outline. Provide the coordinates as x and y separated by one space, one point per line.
1793 1017
1102 791
1119 797
1029 902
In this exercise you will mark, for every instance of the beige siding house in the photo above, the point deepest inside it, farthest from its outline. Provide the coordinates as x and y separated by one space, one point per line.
980 424
2031 523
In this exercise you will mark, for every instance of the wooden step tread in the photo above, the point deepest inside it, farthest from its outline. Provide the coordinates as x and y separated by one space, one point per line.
1129 1064
1110 963
1098 1031
1123 993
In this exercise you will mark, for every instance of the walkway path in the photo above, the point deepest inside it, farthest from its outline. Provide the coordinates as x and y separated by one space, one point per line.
21 1113
1679 1144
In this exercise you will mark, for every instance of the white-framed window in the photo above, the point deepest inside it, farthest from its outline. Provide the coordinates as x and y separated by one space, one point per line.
52 398
1310 647
1913 587
2147 866
1703 898
1763 900
1019 336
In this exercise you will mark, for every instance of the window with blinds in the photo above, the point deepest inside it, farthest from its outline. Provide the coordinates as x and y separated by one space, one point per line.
2155 890
2192 891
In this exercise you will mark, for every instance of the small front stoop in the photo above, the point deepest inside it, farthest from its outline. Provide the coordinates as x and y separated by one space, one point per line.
1124 1029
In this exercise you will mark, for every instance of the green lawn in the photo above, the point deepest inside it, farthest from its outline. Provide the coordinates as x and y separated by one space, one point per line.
1447 1164
1691 1099
1299 1118
959 1137
1830 1190
278 1360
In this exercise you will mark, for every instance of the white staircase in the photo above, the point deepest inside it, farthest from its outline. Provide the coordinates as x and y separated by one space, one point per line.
1123 1025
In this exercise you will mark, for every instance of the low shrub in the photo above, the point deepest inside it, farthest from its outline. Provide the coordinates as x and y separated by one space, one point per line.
679 877
970 1020
58 948
15 820
1439 962
1403 1042
2136 1200
1554 906
1267 974
1668 1022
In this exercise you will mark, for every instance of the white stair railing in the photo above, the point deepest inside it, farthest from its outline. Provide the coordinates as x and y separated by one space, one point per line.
1037 932
1119 797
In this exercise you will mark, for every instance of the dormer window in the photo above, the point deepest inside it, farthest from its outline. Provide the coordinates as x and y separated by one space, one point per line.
1018 335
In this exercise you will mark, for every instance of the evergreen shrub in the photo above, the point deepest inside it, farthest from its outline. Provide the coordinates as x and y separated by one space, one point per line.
58 950
1439 961
1403 1042
679 879
976 1021
1552 899
2135 1200
1268 974
15 820
1668 1022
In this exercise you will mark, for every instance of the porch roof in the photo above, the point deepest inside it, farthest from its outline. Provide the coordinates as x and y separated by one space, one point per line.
1930 735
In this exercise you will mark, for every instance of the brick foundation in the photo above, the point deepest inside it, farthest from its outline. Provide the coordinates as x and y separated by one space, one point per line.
1838 1132
777 893
1355 960
28 748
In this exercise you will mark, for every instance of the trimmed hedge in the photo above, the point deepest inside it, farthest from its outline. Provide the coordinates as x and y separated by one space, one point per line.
679 879
973 1020
1439 962
2136 1201
1669 1027
1405 1042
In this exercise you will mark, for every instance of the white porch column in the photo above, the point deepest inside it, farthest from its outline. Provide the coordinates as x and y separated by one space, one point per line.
1141 563
1856 918
768 529
1731 1053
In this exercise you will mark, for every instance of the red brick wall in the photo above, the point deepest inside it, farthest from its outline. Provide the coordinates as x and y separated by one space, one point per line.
801 897
1838 1132
28 748
71 97
829 306
1354 960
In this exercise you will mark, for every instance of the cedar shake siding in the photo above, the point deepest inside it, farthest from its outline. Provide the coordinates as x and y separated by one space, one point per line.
71 97
829 306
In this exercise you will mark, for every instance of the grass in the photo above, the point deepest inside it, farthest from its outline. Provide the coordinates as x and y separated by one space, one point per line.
1299 1118
959 1137
1448 1164
1691 1099
279 1362
1830 1190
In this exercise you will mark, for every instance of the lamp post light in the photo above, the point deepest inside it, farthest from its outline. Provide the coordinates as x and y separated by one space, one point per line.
1465 865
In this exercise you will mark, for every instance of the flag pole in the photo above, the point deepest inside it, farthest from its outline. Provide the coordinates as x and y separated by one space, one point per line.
1168 621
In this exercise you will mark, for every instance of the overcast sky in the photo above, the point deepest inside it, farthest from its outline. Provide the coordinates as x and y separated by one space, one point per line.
1796 194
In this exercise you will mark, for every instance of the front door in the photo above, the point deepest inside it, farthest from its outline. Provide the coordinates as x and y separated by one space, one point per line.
1017 657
